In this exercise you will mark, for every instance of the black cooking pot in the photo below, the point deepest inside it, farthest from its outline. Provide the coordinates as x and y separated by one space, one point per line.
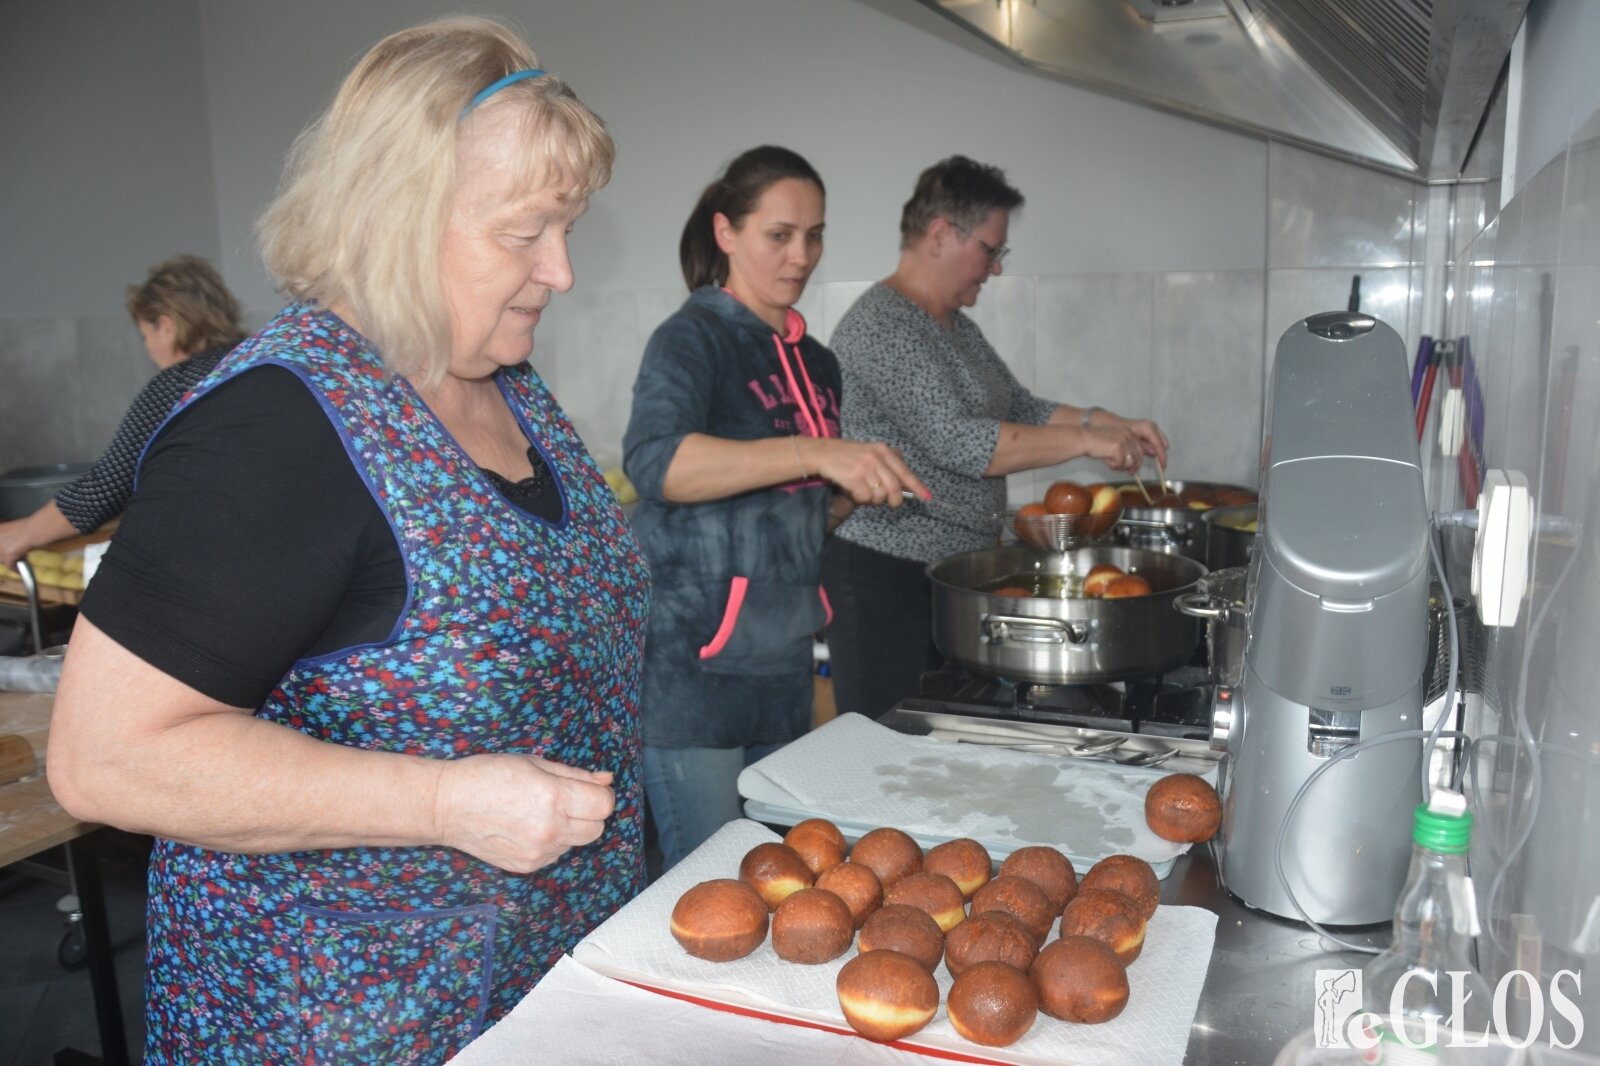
25 489
1064 638
1230 536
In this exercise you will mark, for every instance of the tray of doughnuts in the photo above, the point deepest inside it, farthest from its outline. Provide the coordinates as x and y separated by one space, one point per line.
746 923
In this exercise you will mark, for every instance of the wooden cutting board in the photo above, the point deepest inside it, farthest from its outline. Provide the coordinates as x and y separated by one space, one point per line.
16 757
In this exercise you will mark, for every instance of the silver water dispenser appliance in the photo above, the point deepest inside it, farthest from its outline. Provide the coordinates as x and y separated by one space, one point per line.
1337 601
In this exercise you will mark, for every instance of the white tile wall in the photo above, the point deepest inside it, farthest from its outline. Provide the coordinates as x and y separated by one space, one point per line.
1206 382
1189 348
1323 212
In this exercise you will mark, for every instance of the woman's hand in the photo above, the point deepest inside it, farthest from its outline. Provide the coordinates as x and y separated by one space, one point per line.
22 535
1151 440
1114 445
14 541
519 812
868 472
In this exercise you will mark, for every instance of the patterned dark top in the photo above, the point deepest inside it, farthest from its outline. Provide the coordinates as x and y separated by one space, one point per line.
939 396
102 494
519 635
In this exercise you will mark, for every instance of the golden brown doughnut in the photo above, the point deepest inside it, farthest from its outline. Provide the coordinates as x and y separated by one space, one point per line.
889 853
964 861
775 871
856 885
720 920
1021 898
992 1004
812 926
1183 808
819 842
1047 868
1080 980
886 995
989 936
906 929
1109 917
934 893
1131 876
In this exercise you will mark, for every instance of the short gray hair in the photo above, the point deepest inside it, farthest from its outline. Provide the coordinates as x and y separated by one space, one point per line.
957 189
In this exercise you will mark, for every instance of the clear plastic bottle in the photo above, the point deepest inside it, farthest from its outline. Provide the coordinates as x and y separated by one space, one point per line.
1435 921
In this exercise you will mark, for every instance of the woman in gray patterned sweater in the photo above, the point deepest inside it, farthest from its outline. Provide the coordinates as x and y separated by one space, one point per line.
919 375
188 321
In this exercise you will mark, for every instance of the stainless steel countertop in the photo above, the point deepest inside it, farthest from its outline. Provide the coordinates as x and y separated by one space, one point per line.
1260 989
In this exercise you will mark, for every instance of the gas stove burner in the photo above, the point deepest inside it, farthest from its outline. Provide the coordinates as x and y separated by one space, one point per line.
1174 705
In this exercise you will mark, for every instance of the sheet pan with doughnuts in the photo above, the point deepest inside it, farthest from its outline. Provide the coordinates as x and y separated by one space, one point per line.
639 945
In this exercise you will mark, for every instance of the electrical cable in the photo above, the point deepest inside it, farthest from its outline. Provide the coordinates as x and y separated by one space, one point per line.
1283 829
1451 671
1530 745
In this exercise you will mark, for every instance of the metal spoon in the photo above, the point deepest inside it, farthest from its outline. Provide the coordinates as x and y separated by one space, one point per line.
1153 757
1089 750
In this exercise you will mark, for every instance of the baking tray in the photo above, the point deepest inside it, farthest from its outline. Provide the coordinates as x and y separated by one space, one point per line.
636 945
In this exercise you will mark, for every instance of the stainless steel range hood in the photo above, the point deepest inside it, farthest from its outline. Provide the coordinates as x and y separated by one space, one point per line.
1400 85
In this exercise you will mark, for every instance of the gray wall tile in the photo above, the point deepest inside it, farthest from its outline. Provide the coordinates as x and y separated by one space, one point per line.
1092 346
41 386
1206 387
1322 212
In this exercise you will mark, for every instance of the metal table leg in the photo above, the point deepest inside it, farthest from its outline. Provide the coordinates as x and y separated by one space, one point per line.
83 865
31 585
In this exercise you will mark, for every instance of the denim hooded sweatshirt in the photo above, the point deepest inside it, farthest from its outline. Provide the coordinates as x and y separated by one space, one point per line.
736 582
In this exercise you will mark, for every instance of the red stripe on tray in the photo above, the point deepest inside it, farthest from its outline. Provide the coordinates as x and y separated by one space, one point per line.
750 1012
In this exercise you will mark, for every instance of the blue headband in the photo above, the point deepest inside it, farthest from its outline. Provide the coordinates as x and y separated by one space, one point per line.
494 87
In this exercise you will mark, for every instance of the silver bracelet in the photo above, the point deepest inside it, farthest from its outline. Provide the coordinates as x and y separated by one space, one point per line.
1088 413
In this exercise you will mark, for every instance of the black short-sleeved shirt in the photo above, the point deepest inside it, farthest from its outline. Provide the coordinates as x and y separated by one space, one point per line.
252 542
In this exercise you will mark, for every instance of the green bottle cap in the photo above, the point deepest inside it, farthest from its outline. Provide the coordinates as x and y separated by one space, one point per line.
1448 834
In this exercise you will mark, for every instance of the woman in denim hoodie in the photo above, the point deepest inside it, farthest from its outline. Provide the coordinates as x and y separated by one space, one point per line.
734 447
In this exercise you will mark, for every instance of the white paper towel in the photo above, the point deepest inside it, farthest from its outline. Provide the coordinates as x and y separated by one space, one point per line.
637 944
862 775
576 1016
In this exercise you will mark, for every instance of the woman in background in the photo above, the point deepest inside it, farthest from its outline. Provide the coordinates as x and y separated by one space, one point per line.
921 376
364 653
734 446
188 320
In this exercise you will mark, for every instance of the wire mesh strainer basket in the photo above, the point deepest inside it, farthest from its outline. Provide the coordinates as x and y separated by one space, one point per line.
1061 532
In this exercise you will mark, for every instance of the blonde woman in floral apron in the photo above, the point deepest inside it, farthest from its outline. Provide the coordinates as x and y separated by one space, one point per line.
369 672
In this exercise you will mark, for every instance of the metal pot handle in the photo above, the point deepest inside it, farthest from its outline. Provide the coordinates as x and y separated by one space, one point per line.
999 628
1200 605
1175 533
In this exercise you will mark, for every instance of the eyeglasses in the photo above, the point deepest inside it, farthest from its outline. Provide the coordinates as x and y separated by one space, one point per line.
996 255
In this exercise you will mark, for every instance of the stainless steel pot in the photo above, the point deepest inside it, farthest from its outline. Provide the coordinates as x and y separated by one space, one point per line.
1218 598
1059 641
1230 536
1176 530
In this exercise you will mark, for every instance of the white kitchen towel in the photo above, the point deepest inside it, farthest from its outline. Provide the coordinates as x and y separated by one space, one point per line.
862 775
576 1017
637 944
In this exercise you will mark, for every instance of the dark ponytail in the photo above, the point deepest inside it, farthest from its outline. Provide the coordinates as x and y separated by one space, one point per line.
734 195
